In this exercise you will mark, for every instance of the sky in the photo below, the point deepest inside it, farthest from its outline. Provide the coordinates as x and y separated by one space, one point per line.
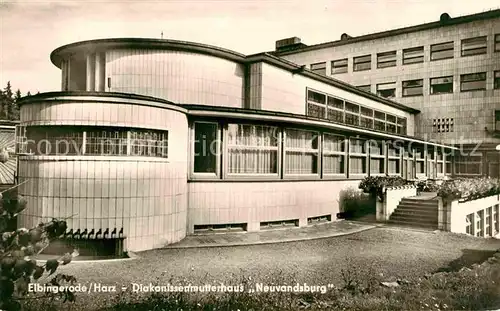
31 30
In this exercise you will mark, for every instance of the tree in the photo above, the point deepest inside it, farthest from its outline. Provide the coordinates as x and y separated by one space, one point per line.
7 102
14 108
18 268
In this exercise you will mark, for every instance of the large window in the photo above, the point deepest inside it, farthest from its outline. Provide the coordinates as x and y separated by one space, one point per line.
393 159
413 55
316 104
386 90
252 149
468 165
339 66
386 59
408 164
357 156
319 68
413 88
361 63
206 147
496 79
419 156
474 46
334 109
442 85
334 154
440 160
301 152
442 50
473 82
377 156
431 164
100 141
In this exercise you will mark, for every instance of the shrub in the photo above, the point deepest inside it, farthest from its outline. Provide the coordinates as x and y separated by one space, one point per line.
355 203
375 185
17 248
427 186
468 188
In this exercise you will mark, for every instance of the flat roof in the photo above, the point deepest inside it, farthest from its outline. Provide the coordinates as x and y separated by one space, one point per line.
163 44
394 32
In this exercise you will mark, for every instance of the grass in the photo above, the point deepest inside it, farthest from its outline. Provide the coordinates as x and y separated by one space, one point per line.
464 289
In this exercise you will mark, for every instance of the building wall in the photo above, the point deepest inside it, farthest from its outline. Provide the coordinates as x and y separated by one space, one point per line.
471 111
255 202
147 197
177 76
286 92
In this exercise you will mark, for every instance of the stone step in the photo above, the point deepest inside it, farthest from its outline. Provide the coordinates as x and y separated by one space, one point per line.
405 205
422 202
414 224
416 213
415 219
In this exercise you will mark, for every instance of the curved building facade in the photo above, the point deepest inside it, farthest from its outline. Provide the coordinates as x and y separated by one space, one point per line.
151 140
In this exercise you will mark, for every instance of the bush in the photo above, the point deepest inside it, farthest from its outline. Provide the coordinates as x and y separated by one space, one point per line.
468 188
427 186
355 203
17 248
375 185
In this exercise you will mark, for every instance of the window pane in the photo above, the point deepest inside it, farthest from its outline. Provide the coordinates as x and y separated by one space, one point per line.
471 82
335 102
474 46
379 125
333 143
333 164
413 55
366 88
319 68
315 110
253 149
357 165
351 119
316 97
339 66
205 147
301 152
357 146
335 115
442 51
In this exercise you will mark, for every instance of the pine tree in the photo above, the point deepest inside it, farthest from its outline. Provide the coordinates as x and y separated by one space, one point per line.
14 112
7 102
28 94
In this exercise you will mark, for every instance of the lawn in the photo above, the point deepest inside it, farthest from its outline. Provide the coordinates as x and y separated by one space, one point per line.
381 254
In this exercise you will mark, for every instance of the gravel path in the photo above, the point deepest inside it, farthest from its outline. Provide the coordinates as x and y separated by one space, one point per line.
394 252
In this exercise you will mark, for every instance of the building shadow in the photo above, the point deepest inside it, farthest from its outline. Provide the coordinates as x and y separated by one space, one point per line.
468 258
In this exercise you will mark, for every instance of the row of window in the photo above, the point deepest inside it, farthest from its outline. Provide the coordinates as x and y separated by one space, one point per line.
439 85
484 222
445 50
100 141
329 107
223 150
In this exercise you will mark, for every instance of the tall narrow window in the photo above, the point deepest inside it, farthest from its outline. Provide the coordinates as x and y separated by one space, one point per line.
339 66
440 162
357 156
386 90
393 159
301 152
386 59
419 161
351 114
442 85
379 121
442 50
401 126
496 219
334 154
252 149
431 164
408 164
473 82
497 43
206 147
391 125
413 55
361 63
319 68
474 46
316 104
377 156
496 79
413 88
366 118
335 111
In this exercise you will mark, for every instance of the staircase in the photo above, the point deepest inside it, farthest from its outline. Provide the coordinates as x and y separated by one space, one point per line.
416 211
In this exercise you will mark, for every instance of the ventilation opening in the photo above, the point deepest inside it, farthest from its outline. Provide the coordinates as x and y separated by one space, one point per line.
279 224
319 219
87 248
219 228
345 36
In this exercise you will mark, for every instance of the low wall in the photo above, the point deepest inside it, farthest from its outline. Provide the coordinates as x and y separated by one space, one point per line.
392 197
477 217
